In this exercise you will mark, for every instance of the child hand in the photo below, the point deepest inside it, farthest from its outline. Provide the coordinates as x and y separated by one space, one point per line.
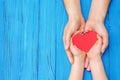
95 61
95 51
77 68
76 52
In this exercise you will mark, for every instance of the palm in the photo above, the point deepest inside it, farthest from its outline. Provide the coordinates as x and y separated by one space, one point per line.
71 27
100 29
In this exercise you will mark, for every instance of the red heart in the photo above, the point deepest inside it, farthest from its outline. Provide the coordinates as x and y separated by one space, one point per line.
84 41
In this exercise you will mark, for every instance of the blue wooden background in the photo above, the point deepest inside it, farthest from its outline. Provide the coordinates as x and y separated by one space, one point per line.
31 46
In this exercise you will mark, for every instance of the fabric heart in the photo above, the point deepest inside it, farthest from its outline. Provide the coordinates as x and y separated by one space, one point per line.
84 41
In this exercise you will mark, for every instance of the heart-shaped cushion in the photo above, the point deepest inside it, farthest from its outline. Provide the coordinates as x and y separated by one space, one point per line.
84 41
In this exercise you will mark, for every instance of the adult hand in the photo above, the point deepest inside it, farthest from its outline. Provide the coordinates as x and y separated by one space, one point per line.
95 22
100 29
71 27
75 22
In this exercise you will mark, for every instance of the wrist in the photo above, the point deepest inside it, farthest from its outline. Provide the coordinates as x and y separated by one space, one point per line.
97 12
78 66
94 59
95 20
91 22
76 19
79 60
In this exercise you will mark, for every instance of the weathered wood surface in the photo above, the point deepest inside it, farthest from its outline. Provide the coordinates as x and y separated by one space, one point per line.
31 46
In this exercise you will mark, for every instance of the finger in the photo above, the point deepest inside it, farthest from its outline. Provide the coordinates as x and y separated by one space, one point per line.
105 43
74 49
93 48
64 36
76 33
88 68
82 29
70 56
86 63
99 40
71 46
88 28
67 39
98 43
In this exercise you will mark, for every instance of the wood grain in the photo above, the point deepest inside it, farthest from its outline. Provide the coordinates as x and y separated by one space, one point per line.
31 45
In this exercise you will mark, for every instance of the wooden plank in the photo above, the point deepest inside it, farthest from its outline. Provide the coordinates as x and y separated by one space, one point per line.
114 53
47 41
1 40
62 63
20 38
30 14
114 25
31 46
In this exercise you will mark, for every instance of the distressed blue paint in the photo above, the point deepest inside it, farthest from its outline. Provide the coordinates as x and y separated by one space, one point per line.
19 40
31 46
62 63
47 26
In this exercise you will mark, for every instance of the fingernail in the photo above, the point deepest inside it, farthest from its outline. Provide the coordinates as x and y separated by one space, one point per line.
85 65
71 61
66 46
88 69
103 50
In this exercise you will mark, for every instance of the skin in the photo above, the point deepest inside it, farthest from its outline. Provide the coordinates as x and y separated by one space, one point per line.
95 22
97 69
94 56
77 68
75 22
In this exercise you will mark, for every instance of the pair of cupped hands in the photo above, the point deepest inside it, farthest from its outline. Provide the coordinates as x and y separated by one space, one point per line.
80 25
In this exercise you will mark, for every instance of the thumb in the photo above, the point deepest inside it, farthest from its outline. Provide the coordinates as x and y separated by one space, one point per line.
67 39
99 40
82 28
105 42
87 28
